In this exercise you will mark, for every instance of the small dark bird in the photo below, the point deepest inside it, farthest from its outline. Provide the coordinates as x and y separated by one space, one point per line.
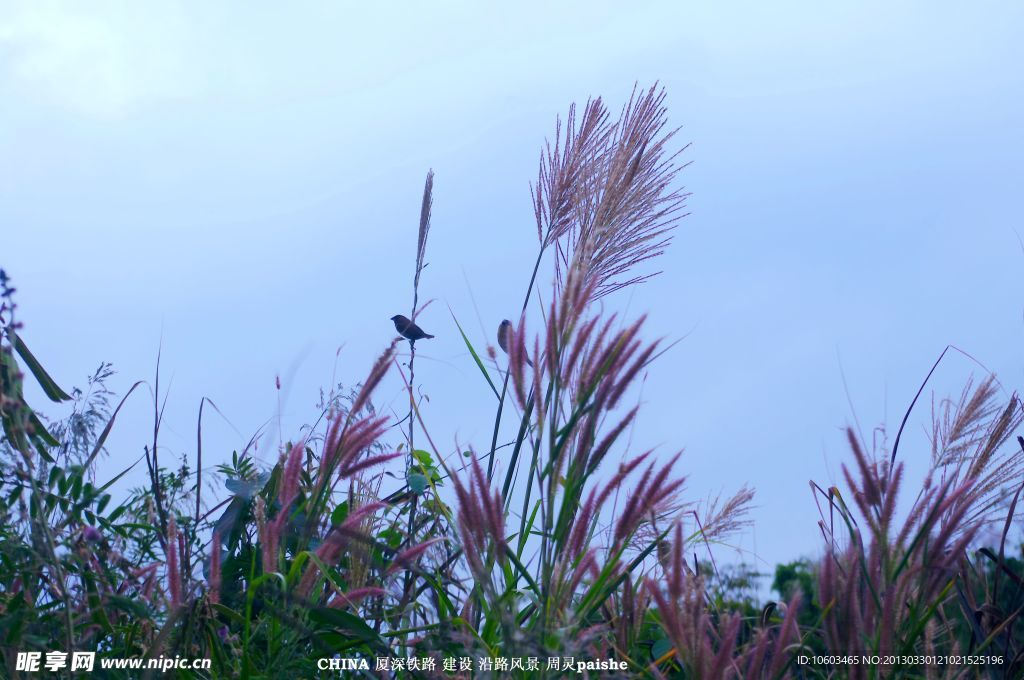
408 330
504 331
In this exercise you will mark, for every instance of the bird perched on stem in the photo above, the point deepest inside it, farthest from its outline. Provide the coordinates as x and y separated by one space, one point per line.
504 332
408 330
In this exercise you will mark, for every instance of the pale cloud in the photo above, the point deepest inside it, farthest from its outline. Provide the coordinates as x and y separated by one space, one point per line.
100 60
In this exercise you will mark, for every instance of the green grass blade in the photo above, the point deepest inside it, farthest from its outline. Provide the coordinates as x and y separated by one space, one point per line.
476 357
49 385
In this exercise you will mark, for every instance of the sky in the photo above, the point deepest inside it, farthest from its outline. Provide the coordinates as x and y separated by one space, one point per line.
238 186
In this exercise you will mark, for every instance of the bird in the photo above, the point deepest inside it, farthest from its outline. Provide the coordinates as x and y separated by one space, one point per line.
408 330
504 331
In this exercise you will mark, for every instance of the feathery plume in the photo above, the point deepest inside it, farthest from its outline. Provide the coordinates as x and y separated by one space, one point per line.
173 570
215 568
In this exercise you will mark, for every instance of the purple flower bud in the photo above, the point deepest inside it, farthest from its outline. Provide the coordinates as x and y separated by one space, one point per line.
91 534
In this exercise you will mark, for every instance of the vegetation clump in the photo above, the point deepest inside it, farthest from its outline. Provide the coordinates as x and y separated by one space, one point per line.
573 546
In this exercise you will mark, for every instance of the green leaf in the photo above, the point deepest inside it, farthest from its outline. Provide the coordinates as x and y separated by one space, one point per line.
117 512
110 423
130 605
40 431
417 483
340 513
423 457
227 612
350 624
660 648
476 357
48 384
13 434
391 537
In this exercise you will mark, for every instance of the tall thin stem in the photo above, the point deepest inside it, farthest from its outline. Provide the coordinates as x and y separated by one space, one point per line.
421 247
504 386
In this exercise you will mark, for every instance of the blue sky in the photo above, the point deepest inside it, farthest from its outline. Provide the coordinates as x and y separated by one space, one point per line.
241 183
